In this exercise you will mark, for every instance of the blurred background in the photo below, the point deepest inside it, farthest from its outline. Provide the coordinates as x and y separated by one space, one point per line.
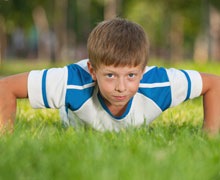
57 30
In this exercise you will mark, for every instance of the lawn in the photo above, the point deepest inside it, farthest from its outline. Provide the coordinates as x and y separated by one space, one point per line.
172 147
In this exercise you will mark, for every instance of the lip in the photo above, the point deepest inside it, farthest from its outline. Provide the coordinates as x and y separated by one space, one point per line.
120 98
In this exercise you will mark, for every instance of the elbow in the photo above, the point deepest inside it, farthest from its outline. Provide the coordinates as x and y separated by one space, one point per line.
5 89
210 83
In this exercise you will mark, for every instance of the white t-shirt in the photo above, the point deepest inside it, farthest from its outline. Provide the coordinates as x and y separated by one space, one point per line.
72 90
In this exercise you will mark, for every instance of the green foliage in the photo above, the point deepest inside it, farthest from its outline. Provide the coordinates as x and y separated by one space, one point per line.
17 12
148 16
156 18
81 17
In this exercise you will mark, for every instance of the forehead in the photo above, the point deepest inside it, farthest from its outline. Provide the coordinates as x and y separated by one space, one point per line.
119 69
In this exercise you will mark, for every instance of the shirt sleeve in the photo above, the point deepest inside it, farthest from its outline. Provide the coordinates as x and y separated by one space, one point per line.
185 84
47 88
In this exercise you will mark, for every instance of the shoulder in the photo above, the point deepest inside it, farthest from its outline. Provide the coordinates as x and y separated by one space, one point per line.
170 87
154 74
78 73
71 85
155 85
80 85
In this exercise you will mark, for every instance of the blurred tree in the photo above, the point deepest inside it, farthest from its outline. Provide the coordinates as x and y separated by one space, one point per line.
214 34
60 28
171 25
110 9
41 22
150 14
3 39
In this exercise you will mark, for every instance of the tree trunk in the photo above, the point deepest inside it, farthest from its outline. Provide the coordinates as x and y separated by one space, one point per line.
3 39
176 38
110 9
40 20
84 19
215 33
60 28
202 47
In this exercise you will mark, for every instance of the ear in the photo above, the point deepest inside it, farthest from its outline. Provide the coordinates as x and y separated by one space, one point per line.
91 70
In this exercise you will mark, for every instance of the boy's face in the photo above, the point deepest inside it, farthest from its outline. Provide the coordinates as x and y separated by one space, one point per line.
117 85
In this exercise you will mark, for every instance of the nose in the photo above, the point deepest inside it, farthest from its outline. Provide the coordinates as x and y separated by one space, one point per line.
120 85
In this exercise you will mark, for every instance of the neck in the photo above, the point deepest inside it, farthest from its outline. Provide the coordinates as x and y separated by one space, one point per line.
117 110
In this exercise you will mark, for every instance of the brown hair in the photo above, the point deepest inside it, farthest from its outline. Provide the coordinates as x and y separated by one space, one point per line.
118 42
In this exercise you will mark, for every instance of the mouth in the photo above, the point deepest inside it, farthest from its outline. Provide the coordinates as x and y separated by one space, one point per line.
120 98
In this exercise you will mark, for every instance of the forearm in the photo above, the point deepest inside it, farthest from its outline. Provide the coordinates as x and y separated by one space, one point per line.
11 88
7 112
211 103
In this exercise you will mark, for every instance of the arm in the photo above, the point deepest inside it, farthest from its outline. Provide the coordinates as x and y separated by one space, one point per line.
11 88
211 102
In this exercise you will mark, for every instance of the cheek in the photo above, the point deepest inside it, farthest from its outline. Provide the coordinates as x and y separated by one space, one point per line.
105 86
133 86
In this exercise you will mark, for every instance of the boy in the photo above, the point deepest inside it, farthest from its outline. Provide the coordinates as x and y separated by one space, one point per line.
114 89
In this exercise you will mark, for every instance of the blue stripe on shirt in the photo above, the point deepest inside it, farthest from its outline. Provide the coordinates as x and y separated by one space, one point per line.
44 93
155 75
75 98
160 95
189 84
78 76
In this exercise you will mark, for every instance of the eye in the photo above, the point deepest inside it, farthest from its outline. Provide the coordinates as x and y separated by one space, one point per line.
110 75
131 75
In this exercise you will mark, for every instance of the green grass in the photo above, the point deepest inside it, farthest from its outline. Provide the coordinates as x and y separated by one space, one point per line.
10 67
172 147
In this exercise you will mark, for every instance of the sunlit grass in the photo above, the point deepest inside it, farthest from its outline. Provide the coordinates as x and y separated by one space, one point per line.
173 147
10 67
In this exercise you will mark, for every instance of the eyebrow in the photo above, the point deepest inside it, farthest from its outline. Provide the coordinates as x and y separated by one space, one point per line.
111 71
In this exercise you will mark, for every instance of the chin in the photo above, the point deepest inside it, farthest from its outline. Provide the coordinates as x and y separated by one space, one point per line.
119 103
